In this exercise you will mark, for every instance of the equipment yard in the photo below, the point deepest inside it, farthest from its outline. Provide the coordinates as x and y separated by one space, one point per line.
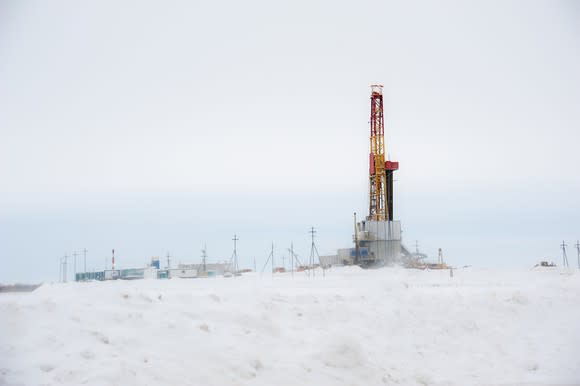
351 327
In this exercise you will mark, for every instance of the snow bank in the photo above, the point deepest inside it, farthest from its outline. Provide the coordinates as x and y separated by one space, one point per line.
352 327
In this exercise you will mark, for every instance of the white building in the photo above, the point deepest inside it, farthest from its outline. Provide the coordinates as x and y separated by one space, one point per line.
183 271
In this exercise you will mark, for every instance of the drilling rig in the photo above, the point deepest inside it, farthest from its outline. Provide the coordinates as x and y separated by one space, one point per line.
378 238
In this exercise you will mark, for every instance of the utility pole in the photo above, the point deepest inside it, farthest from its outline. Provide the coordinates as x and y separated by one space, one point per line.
292 258
357 251
254 263
64 268
85 257
578 249
270 257
564 257
168 260
203 258
295 259
75 254
234 258
313 252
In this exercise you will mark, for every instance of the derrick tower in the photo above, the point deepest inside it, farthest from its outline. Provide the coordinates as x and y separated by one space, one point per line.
380 170
378 237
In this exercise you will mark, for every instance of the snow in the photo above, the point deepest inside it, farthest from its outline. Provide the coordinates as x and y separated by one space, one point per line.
352 327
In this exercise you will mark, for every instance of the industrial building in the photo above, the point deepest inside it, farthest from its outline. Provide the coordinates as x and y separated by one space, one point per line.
153 271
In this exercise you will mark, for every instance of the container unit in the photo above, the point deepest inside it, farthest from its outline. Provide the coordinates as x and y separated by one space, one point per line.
330 260
213 269
111 274
183 273
150 273
89 276
132 273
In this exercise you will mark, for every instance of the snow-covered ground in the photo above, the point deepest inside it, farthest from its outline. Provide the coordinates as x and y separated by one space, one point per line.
352 327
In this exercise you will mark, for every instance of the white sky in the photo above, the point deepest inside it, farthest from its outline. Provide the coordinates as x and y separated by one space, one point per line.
157 126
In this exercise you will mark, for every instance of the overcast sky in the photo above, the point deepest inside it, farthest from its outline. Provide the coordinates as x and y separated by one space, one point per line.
155 127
